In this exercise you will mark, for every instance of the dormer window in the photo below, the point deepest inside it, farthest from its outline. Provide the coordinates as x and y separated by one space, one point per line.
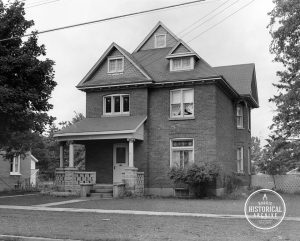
182 63
115 65
160 40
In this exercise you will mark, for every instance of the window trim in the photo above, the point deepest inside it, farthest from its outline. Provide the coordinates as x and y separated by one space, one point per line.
182 116
16 172
183 148
113 113
115 58
241 160
191 67
242 116
249 119
155 40
249 160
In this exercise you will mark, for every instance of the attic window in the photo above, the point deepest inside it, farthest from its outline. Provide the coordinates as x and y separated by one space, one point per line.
115 65
183 63
160 40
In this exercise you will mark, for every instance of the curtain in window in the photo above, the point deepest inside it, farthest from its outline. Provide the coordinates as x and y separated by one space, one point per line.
160 40
112 65
177 63
186 62
176 103
119 65
188 102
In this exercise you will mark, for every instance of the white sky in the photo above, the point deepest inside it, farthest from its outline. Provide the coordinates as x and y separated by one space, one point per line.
242 38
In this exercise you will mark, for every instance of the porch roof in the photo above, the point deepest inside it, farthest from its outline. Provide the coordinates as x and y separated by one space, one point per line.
120 127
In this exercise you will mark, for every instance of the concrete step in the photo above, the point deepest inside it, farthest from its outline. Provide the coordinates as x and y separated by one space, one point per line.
101 195
100 190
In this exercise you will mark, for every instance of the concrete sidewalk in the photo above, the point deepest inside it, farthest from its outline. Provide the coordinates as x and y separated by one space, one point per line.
132 212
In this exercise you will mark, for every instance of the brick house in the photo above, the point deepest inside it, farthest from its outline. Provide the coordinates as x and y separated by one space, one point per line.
20 172
159 106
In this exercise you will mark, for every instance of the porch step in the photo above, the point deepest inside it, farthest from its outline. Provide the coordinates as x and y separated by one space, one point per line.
102 191
101 195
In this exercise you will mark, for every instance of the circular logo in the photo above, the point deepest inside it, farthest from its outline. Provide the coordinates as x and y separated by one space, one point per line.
264 209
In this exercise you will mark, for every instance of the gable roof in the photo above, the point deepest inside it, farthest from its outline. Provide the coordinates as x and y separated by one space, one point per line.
159 24
242 78
103 57
191 52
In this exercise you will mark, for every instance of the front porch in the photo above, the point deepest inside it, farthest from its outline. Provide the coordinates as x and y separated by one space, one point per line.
110 157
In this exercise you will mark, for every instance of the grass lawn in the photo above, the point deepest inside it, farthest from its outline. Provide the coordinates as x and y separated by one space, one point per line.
32 200
89 226
215 206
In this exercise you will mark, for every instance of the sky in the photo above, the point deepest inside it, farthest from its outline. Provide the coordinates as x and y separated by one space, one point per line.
241 38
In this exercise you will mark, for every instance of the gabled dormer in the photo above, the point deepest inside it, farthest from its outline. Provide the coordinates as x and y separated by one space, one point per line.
182 57
115 66
159 37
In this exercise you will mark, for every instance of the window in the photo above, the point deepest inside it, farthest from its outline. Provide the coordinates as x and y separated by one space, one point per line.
116 105
240 159
184 63
182 103
160 40
239 116
15 166
182 152
116 65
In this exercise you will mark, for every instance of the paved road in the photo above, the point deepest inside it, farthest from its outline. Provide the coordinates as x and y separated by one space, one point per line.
91 226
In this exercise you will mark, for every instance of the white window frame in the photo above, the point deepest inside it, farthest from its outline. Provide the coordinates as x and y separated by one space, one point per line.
113 113
182 116
115 71
180 148
14 171
191 67
239 115
155 40
241 161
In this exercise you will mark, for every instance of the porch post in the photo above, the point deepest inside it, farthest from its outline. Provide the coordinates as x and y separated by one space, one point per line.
131 153
71 155
61 155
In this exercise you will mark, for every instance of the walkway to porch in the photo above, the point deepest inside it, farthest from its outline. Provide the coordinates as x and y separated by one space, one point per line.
125 129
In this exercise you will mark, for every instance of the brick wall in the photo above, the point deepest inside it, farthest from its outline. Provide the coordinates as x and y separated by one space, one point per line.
162 130
138 102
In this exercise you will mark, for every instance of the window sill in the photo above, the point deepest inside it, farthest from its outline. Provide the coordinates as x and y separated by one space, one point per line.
115 115
181 118
240 128
15 174
115 73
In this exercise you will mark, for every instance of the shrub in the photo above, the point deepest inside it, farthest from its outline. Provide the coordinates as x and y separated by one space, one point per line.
197 176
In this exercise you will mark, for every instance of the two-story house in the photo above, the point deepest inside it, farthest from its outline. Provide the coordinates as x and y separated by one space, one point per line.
163 105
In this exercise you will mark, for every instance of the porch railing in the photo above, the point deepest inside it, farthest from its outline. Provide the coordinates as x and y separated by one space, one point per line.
85 177
139 188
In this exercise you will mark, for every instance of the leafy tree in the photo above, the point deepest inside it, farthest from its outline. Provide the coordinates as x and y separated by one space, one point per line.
26 81
46 149
256 153
284 28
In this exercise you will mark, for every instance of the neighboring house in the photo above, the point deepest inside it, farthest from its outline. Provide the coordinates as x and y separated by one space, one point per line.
160 106
18 173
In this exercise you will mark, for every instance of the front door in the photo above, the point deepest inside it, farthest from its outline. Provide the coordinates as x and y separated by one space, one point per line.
120 159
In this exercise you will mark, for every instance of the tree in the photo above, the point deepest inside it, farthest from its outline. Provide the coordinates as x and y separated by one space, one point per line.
256 153
285 30
26 81
46 148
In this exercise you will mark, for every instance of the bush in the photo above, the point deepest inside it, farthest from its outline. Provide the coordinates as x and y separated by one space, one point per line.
197 176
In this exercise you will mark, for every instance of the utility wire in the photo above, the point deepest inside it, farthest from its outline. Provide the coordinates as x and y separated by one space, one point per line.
202 17
220 21
104 19
42 3
235 2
